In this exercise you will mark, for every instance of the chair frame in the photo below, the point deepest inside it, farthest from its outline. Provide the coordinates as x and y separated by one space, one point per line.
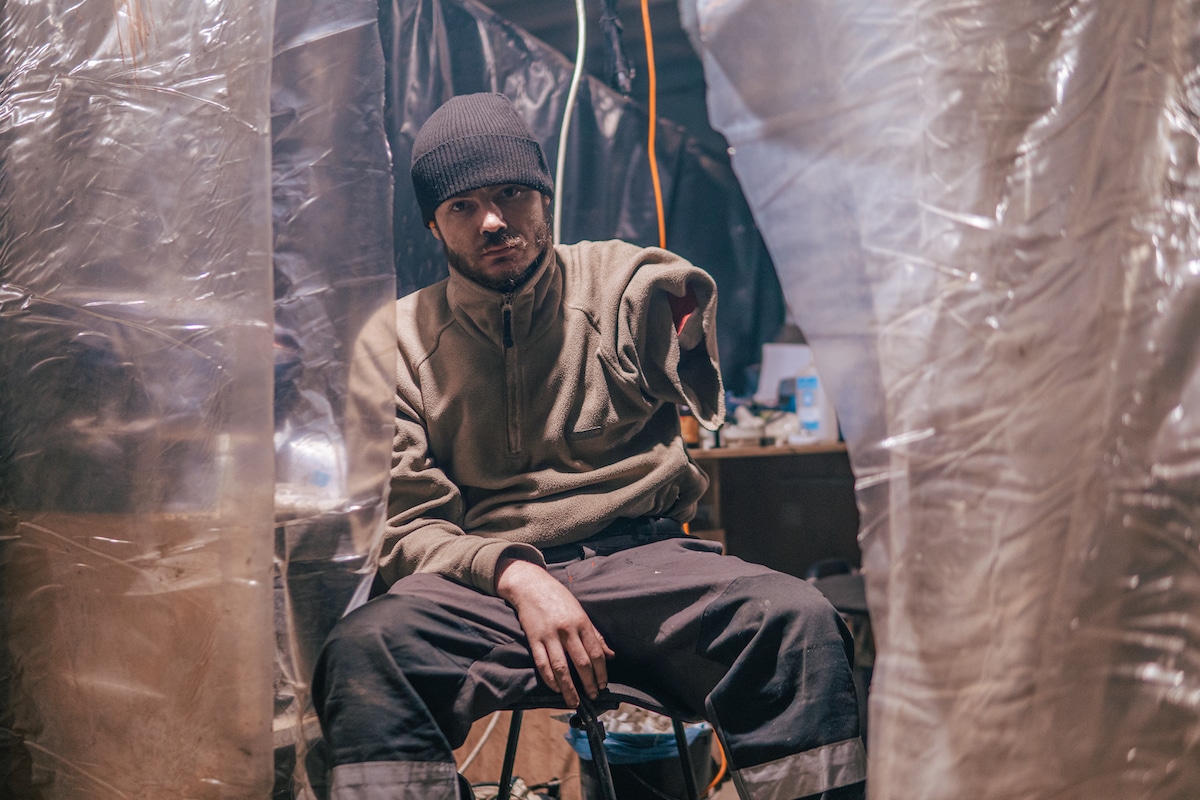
587 719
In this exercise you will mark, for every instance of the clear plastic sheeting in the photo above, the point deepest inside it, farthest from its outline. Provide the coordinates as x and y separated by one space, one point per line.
984 216
335 345
135 347
141 227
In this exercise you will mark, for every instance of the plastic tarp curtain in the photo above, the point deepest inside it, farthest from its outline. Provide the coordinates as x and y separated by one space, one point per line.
335 345
984 215
436 49
164 164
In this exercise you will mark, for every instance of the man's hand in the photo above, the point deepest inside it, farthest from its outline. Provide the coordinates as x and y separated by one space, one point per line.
558 629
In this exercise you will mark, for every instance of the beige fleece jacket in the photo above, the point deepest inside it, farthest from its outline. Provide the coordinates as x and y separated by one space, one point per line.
536 419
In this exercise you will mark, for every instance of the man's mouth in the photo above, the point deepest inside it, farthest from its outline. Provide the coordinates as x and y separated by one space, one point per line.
502 248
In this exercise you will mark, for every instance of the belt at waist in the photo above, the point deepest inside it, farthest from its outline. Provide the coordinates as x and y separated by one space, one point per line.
617 536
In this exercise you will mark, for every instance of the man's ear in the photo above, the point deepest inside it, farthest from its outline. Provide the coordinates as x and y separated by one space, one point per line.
433 228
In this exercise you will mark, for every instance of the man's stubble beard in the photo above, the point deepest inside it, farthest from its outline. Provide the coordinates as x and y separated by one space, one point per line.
542 240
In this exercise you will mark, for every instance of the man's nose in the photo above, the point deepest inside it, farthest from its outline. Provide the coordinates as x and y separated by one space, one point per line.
492 220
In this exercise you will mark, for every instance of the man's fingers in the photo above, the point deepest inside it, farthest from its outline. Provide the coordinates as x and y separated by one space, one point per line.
542 661
555 671
600 652
560 635
566 686
589 664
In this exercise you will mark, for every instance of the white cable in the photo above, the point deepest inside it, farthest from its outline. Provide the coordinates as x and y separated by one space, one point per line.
568 112
564 132
482 739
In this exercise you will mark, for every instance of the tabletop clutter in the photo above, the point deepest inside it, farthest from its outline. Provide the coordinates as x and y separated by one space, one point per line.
789 407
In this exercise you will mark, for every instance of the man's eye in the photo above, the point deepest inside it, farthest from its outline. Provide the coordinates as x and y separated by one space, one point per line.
511 191
459 206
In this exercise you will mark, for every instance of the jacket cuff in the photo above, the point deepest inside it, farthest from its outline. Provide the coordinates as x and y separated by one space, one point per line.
483 566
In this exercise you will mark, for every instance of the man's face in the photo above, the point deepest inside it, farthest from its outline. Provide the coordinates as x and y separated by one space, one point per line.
495 235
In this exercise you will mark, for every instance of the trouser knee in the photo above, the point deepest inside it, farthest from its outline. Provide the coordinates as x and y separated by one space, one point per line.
777 610
381 692
374 647
789 686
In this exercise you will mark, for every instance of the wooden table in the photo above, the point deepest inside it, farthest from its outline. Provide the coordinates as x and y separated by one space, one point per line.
783 506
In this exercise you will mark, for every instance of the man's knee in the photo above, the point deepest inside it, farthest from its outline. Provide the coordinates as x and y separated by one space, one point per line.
789 689
783 606
365 643
368 629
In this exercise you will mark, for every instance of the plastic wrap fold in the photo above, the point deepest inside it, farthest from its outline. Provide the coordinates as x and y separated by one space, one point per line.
335 345
436 49
984 216
135 385
142 225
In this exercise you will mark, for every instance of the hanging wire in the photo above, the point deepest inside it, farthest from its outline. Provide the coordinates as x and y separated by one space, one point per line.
652 76
568 112
616 64
491 726
720 771
563 134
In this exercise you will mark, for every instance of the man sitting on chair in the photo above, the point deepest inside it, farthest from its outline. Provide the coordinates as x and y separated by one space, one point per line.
539 483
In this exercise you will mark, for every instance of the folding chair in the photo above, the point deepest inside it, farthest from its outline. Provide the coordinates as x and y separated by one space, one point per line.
586 718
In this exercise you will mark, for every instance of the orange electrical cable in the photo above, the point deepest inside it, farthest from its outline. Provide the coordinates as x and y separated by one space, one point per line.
650 146
720 772
652 75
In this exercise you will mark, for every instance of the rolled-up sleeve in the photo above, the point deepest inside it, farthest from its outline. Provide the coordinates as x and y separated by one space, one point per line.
676 366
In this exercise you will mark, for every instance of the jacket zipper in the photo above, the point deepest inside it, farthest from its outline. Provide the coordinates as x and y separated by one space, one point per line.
512 378
507 314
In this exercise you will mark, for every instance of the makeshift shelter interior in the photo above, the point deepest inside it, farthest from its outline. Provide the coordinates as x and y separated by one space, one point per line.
983 215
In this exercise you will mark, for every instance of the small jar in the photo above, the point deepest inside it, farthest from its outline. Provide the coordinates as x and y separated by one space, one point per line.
689 427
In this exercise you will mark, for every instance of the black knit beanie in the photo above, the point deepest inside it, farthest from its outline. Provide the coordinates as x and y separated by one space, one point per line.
475 140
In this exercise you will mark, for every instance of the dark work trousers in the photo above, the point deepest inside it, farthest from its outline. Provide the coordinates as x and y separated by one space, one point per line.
760 655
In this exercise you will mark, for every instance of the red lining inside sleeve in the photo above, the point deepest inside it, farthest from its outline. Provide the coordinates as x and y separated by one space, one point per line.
682 308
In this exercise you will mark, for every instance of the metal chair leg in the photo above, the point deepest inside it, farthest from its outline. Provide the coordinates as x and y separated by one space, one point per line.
585 716
510 756
685 760
587 719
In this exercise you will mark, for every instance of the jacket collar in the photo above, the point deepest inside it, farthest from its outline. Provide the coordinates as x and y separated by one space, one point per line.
533 307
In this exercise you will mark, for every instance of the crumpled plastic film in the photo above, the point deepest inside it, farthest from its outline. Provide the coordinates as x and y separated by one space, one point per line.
135 386
984 216
335 345
137 501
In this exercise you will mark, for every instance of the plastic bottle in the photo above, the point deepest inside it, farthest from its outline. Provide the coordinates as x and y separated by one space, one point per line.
818 422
